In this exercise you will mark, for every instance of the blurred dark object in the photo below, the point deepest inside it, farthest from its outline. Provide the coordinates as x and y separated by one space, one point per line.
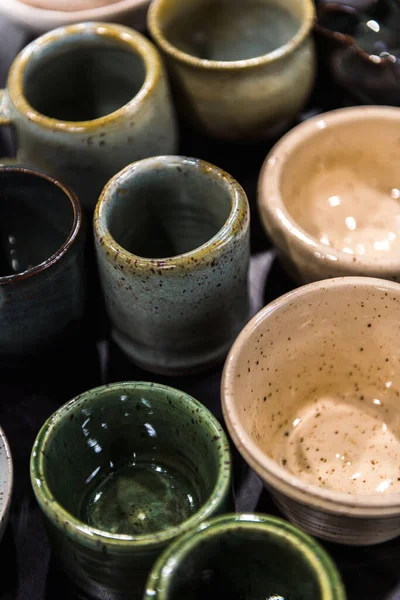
358 44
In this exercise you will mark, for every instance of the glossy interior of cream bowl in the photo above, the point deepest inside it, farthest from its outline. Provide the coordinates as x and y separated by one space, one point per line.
338 336
330 188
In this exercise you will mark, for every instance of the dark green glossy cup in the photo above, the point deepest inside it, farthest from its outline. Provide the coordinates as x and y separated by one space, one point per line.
120 472
245 557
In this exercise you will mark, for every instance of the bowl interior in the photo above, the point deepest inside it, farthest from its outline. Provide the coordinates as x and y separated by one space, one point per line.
211 31
239 560
131 460
36 218
340 184
315 385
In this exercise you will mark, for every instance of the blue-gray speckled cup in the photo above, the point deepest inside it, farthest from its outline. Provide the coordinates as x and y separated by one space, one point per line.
42 292
172 243
85 100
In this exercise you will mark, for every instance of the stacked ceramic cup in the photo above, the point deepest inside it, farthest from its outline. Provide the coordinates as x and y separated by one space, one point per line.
132 477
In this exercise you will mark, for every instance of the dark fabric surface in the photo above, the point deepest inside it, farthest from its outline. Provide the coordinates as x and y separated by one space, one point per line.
27 398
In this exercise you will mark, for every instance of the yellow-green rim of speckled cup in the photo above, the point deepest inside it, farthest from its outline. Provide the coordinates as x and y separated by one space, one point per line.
92 537
123 37
325 571
238 218
156 32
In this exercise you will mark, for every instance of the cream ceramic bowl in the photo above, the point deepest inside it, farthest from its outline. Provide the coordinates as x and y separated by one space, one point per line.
311 399
329 196
6 482
39 20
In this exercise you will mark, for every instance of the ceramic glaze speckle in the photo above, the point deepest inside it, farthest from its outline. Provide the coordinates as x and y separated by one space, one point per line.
42 287
310 396
348 442
172 242
244 31
111 470
86 100
229 83
245 556
329 195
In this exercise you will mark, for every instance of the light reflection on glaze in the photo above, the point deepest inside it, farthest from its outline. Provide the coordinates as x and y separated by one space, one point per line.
358 216
349 443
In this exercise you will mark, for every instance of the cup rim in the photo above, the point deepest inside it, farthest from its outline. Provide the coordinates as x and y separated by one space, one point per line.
8 478
299 542
68 242
158 36
274 475
92 536
271 205
132 39
238 215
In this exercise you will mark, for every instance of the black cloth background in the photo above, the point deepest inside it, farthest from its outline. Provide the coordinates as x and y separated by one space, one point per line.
27 398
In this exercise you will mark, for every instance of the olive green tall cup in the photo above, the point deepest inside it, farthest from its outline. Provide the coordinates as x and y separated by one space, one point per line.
120 472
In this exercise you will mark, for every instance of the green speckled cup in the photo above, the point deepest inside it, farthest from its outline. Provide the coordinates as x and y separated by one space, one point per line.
245 557
120 472
42 271
172 243
85 100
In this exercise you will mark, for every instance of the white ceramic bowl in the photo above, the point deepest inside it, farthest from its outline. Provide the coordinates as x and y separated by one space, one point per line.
38 20
6 482
311 398
329 197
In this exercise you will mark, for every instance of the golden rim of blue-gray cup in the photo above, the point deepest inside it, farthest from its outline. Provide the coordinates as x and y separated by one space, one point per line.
275 475
299 542
271 204
208 251
155 28
70 239
90 536
123 36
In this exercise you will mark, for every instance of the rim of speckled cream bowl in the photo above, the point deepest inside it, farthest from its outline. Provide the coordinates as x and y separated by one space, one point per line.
76 225
124 37
239 213
272 207
299 543
156 32
90 536
274 475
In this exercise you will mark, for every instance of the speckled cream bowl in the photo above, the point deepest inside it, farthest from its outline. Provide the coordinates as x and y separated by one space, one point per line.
6 482
310 395
328 195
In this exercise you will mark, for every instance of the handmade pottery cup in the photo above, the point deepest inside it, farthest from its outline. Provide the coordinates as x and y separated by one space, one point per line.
246 556
6 482
85 100
42 271
121 471
240 70
172 243
328 195
310 396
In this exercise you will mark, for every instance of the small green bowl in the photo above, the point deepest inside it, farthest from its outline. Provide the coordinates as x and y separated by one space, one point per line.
119 472
245 556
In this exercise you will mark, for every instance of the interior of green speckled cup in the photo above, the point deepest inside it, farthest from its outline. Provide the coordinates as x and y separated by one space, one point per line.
132 459
239 558
36 218
167 207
